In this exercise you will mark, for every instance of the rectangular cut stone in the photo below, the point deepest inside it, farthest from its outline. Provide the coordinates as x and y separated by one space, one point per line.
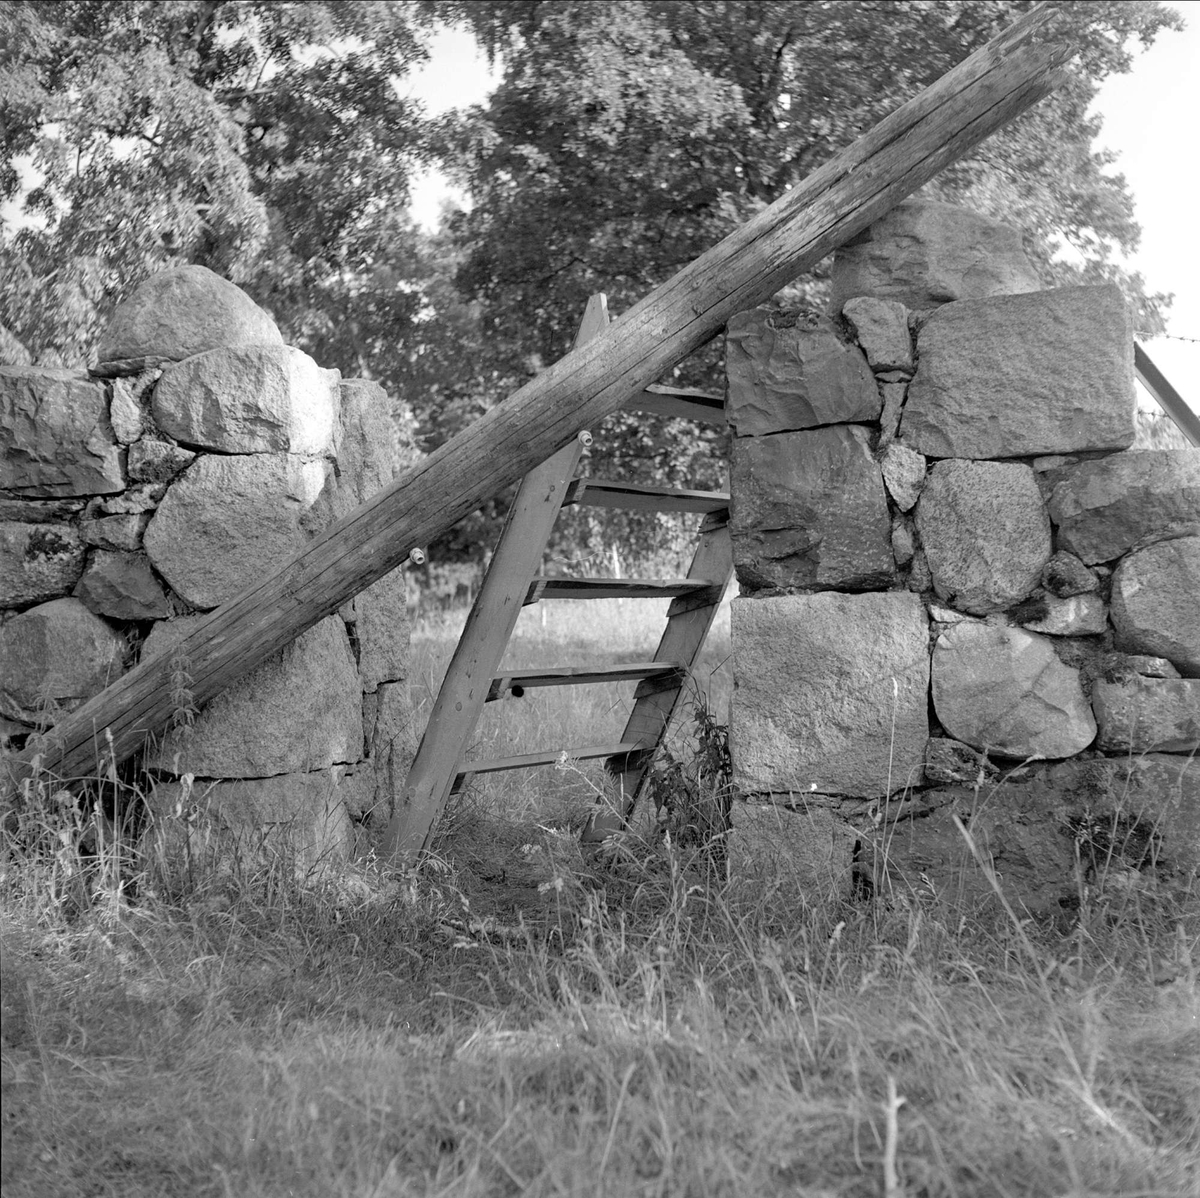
1014 375
789 369
809 510
55 437
830 693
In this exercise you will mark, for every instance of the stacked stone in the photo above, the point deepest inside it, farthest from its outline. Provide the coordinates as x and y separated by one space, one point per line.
955 569
200 453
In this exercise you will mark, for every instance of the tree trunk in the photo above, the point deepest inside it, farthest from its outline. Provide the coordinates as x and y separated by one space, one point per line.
855 188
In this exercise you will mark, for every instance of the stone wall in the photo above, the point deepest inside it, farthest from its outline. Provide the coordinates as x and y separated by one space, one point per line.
962 594
200 453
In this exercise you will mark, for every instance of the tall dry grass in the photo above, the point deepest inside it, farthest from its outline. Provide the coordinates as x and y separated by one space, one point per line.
517 1019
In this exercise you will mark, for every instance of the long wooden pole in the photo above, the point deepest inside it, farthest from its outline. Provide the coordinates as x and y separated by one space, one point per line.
860 184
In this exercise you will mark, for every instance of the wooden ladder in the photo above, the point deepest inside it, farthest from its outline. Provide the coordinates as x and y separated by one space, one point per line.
512 581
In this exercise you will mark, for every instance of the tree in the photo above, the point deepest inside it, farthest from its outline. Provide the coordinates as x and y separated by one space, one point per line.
268 141
626 136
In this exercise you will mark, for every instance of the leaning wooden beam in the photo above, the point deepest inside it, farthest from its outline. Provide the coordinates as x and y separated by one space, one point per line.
999 81
1165 395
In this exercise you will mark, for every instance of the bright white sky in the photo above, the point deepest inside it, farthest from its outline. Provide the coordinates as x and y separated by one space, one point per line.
1149 120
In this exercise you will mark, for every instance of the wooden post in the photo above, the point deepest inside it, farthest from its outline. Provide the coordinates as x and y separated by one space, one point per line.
855 188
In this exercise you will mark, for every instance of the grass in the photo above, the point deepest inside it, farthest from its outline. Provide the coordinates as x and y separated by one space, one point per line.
517 1019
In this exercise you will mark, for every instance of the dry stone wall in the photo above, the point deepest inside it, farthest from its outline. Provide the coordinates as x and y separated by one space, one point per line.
962 593
198 453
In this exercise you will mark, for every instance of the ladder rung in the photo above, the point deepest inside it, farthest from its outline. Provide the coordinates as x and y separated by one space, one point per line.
685 403
582 675
619 588
599 492
530 760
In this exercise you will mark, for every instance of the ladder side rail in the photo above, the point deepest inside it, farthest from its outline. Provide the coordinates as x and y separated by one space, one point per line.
485 636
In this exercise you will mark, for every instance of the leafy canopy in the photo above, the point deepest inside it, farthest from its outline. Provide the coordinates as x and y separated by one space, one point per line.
268 141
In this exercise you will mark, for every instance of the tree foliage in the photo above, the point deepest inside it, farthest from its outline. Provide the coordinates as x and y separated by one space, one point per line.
628 136
268 141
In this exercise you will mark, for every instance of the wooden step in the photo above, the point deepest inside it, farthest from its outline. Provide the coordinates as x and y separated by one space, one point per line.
684 403
519 680
624 588
623 750
601 492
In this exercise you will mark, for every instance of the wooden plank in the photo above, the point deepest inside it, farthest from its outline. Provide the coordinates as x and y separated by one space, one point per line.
1165 395
581 676
678 403
599 492
526 761
615 588
838 200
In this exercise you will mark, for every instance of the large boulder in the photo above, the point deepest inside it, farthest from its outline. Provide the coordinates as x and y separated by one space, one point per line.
1004 690
789 369
1102 508
54 657
55 436
924 253
1156 603
809 511
830 693
300 710
177 313
229 518
1017 375
248 399
985 533
38 562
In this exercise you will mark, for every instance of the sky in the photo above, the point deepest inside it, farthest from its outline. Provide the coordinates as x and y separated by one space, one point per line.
1150 120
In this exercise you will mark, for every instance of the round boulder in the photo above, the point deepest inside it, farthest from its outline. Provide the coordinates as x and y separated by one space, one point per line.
176 314
1005 691
985 532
